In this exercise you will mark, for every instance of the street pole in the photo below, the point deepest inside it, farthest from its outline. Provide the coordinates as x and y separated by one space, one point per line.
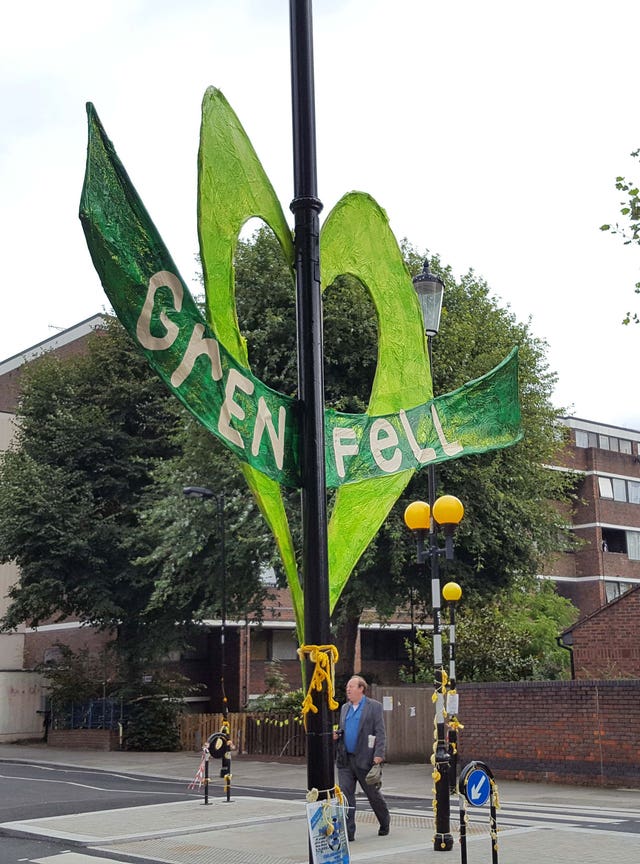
204 494
443 839
306 208
223 623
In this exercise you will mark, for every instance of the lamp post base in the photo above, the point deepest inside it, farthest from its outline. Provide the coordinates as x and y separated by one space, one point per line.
443 843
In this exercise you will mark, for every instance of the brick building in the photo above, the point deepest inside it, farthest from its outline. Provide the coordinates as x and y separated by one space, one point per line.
606 518
606 643
606 462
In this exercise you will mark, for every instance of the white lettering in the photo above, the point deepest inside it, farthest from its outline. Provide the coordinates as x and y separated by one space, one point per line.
162 279
231 409
264 421
428 454
198 344
382 437
450 449
342 449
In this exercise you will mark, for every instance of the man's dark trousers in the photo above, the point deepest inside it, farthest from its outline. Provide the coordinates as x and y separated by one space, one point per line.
347 778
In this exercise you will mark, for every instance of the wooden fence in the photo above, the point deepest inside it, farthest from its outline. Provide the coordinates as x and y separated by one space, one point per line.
408 720
583 732
256 734
408 714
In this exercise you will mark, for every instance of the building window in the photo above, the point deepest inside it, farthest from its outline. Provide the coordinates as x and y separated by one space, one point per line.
614 540
383 645
260 645
634 492
284 645
604 442
615 589
274 645
633 545
606 489
619 489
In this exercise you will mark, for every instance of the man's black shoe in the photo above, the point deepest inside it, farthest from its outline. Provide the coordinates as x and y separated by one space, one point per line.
351 837
382 832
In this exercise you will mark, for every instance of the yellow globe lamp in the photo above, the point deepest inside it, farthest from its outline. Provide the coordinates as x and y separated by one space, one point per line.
452 592
417 516
448 510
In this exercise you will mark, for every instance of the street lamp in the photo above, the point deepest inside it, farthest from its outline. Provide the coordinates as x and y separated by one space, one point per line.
203 494
429 289
423 520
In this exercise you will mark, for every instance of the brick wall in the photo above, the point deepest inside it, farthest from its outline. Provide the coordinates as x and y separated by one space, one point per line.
83 739
580 732
607 643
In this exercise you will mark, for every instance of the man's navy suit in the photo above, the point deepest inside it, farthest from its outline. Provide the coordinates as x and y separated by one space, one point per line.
353 767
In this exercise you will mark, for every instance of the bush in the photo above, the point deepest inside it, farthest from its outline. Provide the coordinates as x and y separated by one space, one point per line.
152 725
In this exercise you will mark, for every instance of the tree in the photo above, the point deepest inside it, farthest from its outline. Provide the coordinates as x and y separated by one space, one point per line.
100 440
508 639
511 523
630 231
90 431
184 536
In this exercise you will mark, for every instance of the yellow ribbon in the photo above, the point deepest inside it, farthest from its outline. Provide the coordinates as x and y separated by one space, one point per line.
324 657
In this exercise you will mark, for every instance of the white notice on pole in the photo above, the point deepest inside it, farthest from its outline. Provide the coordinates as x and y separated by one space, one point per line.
387 703
327 832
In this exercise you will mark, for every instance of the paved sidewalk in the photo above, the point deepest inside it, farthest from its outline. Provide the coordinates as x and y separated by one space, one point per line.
252 830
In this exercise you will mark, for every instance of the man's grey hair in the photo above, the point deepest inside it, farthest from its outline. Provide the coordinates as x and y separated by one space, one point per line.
362 683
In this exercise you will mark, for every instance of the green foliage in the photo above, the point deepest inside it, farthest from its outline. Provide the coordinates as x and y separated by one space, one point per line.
77 676
184 536
630 230
92 510
153 707
91 429
153 725
512 638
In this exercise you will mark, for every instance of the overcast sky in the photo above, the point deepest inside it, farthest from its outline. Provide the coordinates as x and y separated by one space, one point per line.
490 131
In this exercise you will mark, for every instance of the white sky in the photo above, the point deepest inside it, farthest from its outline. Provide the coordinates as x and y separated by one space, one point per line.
491 131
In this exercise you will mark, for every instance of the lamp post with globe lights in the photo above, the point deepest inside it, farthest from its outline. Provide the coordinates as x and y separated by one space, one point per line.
424 521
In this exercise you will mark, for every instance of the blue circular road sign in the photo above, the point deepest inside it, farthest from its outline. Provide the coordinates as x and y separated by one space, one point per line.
477 787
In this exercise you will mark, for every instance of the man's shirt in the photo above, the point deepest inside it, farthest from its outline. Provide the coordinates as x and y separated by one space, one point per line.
351 726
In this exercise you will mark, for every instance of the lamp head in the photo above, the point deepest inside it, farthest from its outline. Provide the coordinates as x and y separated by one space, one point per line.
197 492
429 289
452 592
417 516
448 511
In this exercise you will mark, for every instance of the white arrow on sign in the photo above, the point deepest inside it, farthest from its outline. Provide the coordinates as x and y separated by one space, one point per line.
476 790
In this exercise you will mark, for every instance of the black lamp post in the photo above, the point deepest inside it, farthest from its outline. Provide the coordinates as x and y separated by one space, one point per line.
422 519
306 207
203 494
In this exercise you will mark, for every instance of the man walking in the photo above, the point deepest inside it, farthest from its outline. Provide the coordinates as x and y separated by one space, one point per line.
361 744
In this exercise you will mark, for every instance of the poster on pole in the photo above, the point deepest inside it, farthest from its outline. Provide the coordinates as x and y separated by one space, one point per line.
327 832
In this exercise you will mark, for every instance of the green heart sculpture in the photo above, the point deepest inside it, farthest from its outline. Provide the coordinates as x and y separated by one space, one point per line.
370 457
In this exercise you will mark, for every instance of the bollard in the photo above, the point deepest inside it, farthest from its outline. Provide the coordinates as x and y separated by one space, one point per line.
207 756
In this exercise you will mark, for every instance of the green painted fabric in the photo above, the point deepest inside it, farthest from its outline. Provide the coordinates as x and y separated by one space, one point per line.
370 457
